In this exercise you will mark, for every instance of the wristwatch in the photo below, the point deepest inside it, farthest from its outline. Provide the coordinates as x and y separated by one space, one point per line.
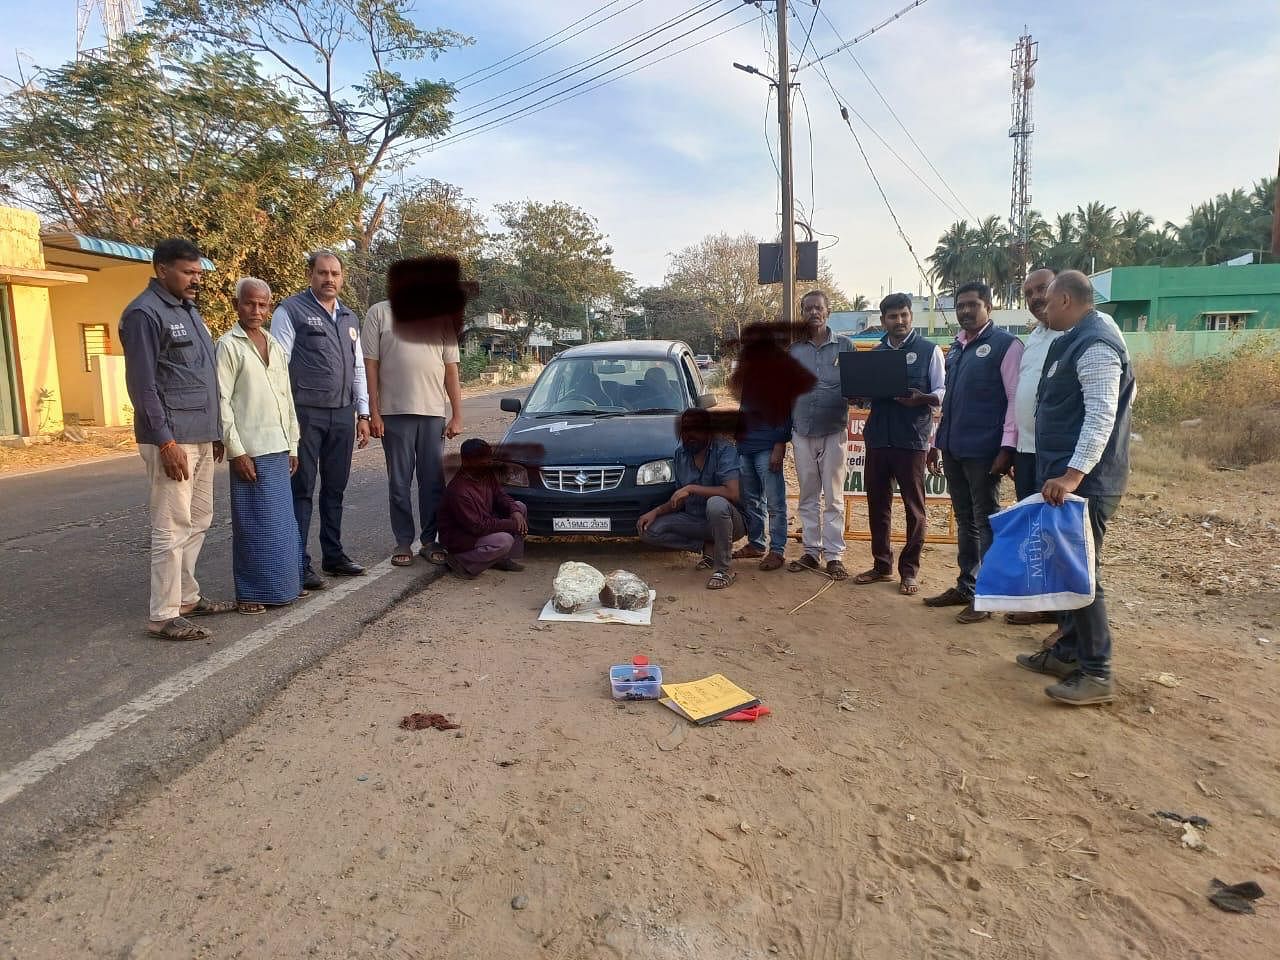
363 416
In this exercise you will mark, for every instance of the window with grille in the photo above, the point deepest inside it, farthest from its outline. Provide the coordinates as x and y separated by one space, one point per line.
95 341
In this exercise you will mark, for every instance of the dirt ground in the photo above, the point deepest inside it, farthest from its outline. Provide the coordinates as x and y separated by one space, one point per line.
98 442
914 793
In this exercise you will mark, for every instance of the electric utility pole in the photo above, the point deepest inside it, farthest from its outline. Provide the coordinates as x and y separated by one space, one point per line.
788 187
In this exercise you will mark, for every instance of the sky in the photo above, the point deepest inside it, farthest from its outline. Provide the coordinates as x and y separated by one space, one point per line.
1154 104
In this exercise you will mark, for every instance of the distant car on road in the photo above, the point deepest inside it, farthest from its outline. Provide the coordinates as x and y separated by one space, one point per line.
704 361
591 447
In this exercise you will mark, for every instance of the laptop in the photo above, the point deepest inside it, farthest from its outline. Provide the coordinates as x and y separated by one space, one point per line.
873 374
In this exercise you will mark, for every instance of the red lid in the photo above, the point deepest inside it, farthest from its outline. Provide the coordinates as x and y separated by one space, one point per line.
639 660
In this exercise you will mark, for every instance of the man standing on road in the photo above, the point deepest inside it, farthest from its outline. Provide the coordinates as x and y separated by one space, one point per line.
320 336
820 431
977 436
1082 447
1035 290
412 385
173 386
897 439
260 430
702 514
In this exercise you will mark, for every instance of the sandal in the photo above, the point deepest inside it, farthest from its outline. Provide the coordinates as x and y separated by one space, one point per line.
210 608
179 628
721 579
807 562
250 609
836 570
434 554
748 553
873 576
402 558
909 587
706 563
773 561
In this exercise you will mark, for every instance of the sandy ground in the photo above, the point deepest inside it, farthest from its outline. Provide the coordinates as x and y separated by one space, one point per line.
913 795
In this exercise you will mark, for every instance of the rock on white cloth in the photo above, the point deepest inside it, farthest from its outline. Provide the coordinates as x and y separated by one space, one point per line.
623 590
576 585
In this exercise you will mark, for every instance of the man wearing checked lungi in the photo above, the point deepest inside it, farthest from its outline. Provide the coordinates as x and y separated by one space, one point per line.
260 432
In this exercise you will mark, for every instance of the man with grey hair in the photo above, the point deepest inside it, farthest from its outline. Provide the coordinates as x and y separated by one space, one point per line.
1082 447
321 339
260 430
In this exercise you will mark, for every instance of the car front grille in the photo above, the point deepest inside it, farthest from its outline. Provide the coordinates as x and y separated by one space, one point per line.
582 479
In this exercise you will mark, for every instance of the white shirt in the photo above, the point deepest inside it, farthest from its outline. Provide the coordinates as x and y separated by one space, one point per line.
1034 352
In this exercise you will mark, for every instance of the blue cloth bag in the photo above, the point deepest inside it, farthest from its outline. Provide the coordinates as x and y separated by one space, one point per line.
1041 558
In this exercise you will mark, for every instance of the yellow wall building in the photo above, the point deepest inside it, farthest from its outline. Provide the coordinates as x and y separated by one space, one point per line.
61 296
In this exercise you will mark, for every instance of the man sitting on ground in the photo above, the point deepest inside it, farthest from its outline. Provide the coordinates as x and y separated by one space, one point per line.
702 513
479 524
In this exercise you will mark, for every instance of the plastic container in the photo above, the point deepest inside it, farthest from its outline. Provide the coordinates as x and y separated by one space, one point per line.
637 680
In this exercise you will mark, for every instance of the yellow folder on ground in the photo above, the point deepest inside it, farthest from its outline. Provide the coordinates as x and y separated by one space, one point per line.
708 699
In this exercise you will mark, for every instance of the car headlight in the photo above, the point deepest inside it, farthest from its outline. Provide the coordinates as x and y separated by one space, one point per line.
513 475
655 471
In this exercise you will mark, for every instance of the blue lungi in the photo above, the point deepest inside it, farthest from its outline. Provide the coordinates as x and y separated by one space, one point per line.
265 551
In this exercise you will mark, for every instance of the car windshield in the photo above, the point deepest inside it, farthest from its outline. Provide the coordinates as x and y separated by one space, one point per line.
603 385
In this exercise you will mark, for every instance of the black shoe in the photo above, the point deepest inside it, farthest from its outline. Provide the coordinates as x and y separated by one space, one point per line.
312 580
509 566
951 597
345 567
1045 662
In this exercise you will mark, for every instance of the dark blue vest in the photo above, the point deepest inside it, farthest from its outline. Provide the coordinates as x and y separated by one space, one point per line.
893 425
974 406
322 365
1060 410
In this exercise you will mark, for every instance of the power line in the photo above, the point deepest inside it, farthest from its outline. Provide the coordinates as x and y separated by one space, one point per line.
558 98
552 79
539 43
808 122
844 113
894 114
866 33
804 48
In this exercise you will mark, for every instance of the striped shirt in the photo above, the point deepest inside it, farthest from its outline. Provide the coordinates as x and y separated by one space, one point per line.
1098 370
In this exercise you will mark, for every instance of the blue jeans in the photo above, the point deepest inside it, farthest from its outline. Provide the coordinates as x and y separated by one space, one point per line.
764 495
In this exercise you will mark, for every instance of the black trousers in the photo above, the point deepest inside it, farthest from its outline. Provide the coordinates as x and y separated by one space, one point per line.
1024 475
327 439
975 496
884 467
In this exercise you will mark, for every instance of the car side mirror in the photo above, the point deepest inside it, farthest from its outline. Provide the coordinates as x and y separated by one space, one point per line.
509 405
707 401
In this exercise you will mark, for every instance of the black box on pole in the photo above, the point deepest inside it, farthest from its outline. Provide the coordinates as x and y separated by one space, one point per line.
771 261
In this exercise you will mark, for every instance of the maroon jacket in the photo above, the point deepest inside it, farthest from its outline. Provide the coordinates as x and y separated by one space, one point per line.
473 508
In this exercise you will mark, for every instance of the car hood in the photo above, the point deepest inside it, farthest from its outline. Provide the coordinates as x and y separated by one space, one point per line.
583 441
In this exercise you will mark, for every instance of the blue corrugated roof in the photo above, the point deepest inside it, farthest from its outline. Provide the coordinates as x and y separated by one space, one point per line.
121 251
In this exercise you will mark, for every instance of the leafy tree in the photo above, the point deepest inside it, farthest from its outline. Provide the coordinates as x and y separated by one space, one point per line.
343 59
1096 237
952 261
668 314
141 144
549 265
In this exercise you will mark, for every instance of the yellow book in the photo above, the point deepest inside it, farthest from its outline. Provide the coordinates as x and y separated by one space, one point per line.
708 699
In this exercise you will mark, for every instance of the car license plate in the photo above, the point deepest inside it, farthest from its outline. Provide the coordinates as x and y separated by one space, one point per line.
580 524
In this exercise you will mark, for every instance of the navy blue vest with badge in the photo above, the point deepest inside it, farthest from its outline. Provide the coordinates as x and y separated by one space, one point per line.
322 365
186 377
1060 410
974 406
893 425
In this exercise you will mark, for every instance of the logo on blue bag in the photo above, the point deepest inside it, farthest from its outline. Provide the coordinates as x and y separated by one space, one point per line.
1036 550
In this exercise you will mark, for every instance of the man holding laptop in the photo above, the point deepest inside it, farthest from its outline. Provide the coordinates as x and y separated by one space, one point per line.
897 438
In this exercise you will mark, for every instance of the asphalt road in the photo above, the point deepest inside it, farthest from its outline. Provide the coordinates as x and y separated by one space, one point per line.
73 606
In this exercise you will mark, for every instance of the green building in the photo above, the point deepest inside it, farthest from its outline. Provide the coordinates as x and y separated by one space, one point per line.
1217 299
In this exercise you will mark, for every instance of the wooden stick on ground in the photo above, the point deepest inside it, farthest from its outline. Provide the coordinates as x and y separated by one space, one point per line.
829 585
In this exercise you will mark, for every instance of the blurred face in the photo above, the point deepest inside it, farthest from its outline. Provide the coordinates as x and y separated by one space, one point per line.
815 311
972 311
1035 290
695 434
897 323
253 307
181 278
326 279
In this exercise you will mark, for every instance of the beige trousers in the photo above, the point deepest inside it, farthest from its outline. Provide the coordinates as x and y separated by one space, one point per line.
181 511
820 468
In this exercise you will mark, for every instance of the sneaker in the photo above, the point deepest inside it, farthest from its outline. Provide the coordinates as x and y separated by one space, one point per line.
1081 690
970 615
950 597
1045 662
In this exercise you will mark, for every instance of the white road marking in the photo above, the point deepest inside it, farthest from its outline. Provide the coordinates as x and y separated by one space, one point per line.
39 765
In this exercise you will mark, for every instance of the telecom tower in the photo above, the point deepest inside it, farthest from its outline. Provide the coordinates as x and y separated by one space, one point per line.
118 18
1023 61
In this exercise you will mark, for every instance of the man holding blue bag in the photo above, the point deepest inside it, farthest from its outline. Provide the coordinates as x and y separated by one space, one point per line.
1082 447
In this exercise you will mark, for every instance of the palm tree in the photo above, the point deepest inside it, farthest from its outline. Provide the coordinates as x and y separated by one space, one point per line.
860 302
951 262
992 254
1135 237
1214 232
1039 239
1096 244
1061 254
